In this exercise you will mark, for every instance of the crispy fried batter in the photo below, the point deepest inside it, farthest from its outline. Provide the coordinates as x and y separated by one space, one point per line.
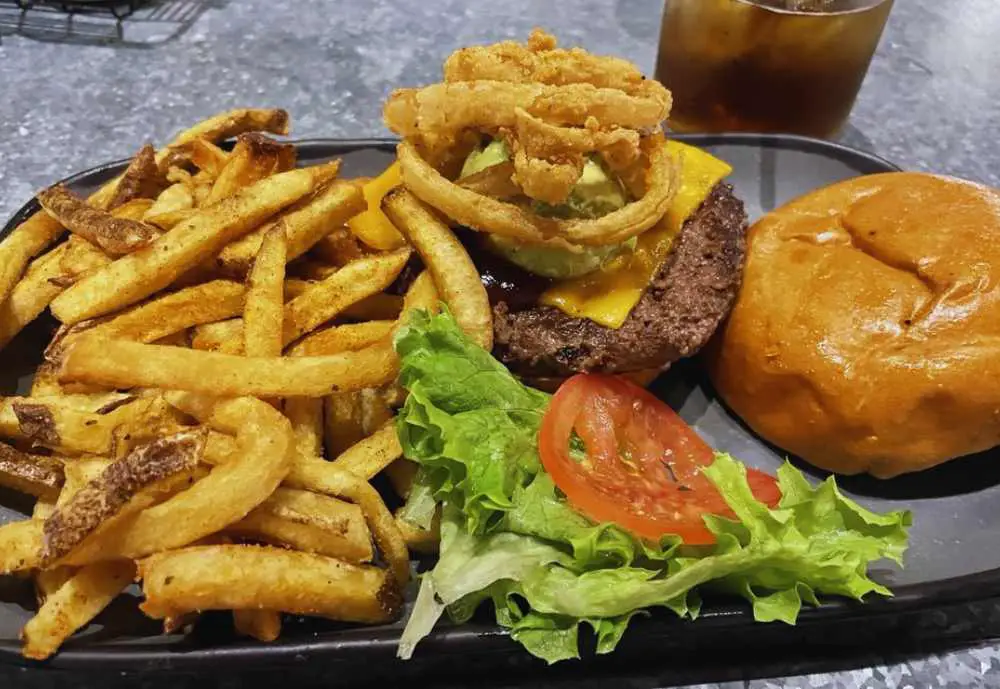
553 108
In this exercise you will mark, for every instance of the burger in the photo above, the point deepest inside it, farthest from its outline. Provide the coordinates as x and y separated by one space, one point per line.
603 246
865 337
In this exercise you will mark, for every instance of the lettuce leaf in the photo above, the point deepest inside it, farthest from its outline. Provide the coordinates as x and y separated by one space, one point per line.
509 536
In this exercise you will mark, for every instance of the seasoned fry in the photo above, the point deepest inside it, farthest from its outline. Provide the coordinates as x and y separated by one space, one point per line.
375 411
174 312
175 199
232 123
20 546
48 422
318 476
206 156
305 224
349 285
168 220
138 275
129 364
264 309
74 605
201 578
377 307
367 458
225 337
311 523
26 241
343 421
342 338
262 625
265 445
39 286
142 179
306 416
338 248
133 210
32 474
254 157
454 273
126 486
115 235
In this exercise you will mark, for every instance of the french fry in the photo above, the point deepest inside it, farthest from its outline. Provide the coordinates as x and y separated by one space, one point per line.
225 337
305 224
456 277
32 294
133 210
319 476
115 235
342 338
120 364
311 270
306 416
177 198
311 523
375 411
265 445
48 422
349 285
141 180
32 474
254 157
168 220
20 546
201 578
173 312
140 274
377 307
294 287
343 421
206 156
78 601
338 248
262 527
262 625
232 123
125 487
81 256
367 458
26 241
264 308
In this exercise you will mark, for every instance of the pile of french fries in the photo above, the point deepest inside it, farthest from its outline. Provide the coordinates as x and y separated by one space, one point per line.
221 391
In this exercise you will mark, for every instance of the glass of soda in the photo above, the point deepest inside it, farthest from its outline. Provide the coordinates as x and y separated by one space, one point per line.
767 65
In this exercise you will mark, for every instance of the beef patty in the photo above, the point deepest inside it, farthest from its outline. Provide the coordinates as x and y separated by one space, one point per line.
684 304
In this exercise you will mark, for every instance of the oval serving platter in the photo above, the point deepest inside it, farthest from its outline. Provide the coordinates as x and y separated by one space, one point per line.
955 543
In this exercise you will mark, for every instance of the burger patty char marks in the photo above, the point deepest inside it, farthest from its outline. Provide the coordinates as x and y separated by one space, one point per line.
682 307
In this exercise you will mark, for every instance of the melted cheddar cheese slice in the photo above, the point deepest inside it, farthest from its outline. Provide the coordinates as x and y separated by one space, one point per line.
609 295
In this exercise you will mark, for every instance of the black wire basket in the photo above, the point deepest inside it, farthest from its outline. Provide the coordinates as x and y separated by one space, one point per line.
130 23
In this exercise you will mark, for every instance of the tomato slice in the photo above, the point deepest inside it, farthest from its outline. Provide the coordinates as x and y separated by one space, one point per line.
642 465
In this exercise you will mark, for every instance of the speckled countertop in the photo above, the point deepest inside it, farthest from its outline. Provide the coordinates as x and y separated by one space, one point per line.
930 103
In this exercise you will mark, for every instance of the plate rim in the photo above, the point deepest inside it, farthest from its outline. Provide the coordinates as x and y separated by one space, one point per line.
125 654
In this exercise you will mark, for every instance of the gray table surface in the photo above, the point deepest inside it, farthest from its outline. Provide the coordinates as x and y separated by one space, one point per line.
930 103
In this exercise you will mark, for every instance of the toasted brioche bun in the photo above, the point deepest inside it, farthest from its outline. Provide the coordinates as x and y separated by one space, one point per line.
866 337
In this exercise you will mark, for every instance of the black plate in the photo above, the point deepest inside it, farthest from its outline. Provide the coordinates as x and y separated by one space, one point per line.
954 558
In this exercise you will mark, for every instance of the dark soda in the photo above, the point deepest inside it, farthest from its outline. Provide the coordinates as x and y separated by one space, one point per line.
767 65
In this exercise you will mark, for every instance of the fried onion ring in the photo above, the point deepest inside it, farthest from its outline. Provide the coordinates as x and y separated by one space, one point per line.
541 62
550 181
439 109
489 215
619 147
